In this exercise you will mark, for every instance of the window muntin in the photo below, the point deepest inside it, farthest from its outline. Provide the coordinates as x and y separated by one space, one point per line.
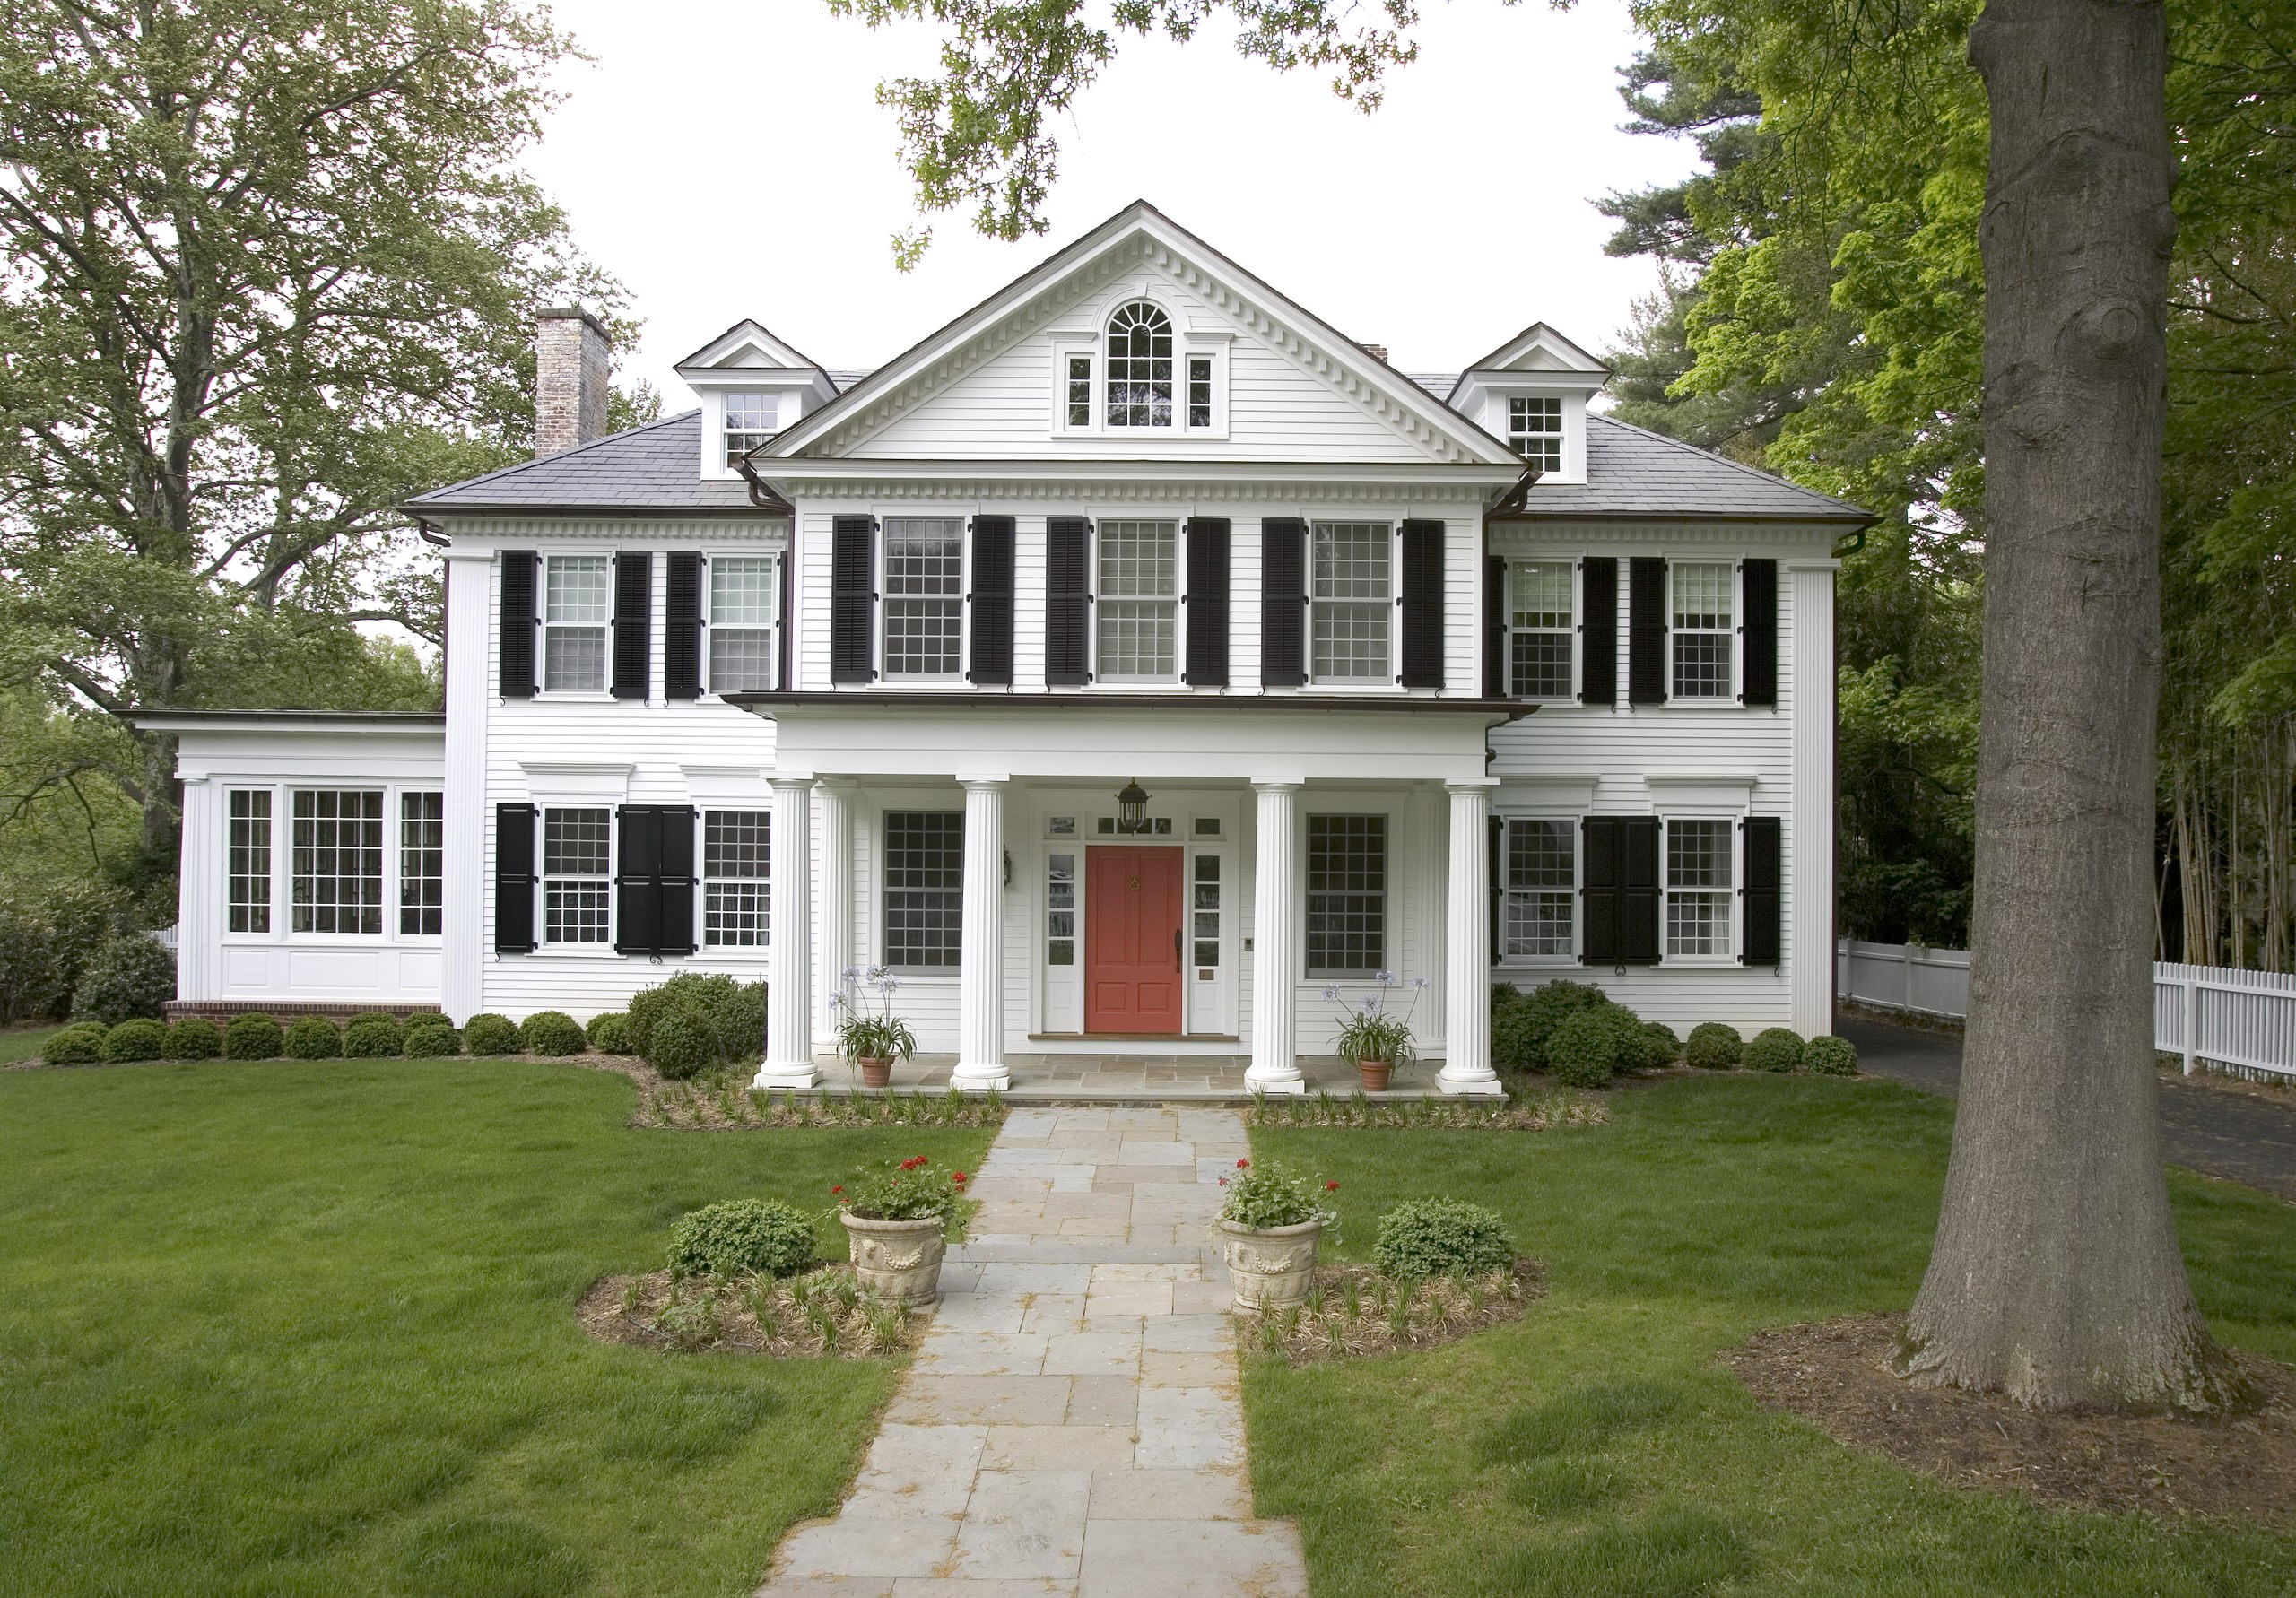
1698 888
736 865
1077 393
1542 628
1351 612
576 875
335 845
1138 603
421 863
1140 367
248 864
1541 880
744 610
1347 895
1199 391
1204 911
1534 430
576 601
925 558
751 419
1060 910
1703 634
925 883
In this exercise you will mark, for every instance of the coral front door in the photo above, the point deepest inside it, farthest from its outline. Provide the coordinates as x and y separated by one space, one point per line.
1131 940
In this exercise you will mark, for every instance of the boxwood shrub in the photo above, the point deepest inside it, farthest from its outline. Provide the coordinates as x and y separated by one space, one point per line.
684 1045
254 1036
1530 1020
731 1014
1714 1045
1660 1046
1774 1049
1830 1056
313 1037
488 1034
552 1032
609 1034
194 1037
1442 1237
1583 1051
134 1040
431 1038
372 1036
81 1045
740 1235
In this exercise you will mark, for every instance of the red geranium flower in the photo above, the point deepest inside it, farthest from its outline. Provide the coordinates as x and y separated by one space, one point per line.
1241 1164
958 1177
1331 1187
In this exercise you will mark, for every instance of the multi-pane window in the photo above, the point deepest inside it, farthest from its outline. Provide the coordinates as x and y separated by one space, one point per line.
1060 910
1205 934
1698 888
422 863
744 605
1140 367
576 875
1534 430
1199 391
1347 895
925 559
751 419
1542 877
1353 607
1079 391
1704 629
736 858
1138 604
337 853
925 888
249 864
576 601
1542 628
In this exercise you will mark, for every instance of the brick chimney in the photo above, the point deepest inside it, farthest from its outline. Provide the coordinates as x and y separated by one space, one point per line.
1378 353
571 357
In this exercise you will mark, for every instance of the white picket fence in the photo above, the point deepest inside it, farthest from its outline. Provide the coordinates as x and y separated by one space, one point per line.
2202 1015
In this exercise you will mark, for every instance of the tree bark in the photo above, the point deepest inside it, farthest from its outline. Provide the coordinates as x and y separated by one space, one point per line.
2056 1277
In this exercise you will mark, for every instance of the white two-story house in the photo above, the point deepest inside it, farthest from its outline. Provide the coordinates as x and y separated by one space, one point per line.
1123 666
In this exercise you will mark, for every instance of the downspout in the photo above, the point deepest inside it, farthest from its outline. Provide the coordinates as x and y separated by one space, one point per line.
1509 504
762 493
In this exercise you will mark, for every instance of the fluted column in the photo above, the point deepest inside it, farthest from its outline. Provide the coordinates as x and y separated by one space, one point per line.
789 983
981 975
1275 949
201 912
833 945
1467 952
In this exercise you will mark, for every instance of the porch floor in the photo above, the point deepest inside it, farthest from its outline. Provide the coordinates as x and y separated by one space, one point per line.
1131 1077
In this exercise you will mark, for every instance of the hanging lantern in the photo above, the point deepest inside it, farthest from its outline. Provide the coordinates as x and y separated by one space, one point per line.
1131 808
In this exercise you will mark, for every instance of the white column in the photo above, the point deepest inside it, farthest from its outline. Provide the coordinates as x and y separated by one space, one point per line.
1275 952
467 881
1430 864
1809 827
1467 955
834 918
981 975
200 910
788 970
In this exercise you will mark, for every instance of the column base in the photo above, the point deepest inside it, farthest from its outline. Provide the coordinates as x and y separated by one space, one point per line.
1468 1086
988 1077
797 1074
1276 1081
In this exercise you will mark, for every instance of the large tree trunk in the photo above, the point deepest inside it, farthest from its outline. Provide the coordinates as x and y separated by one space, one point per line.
2056 1277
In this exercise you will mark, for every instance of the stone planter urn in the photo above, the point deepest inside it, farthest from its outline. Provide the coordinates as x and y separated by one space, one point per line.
1374 1073
899 1260
1270 1267
876 1070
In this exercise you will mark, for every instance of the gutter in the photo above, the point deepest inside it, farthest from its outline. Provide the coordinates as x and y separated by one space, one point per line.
762 493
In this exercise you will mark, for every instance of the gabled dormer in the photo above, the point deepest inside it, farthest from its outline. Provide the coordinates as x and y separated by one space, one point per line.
752 385
1532 391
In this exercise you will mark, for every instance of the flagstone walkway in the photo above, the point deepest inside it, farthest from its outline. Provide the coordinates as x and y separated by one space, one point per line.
1072 1422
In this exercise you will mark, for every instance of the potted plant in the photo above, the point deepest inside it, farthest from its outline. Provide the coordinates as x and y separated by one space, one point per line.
1270 1223
898 1223
870 1036
1374 1036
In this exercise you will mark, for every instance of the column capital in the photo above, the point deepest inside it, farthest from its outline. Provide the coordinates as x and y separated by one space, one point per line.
836 785
1277 785
987 781
797 782
1471 785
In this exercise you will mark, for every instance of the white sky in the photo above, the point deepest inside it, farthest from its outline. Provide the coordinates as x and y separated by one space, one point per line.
730 160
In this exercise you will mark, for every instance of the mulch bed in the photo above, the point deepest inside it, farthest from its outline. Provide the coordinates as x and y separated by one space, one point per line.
1535 1111
1835 1375
1355 1311
821 1313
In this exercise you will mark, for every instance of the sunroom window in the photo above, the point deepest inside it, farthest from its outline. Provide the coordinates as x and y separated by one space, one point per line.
1140 367
337 840
250 860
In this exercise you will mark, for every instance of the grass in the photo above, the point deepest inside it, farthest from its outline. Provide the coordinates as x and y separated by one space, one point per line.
1597 1445
302 1329
21 1043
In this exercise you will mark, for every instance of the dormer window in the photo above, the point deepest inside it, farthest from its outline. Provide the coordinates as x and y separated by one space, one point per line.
751 419
1140 367
1534 430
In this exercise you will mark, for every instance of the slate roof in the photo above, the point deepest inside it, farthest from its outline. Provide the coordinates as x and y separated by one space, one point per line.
655 469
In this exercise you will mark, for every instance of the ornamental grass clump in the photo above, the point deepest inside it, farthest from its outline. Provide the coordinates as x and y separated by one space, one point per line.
741 1236
1421 1238
490 1033
431 1038
373 1035
133 1041
552 1032
254 1036
194 1037
313 1037
1266 1196
1368 1028
1774 1049
1714 1045
1828 1056
911 1190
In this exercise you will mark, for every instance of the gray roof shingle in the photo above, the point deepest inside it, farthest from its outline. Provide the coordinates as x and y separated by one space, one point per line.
655 468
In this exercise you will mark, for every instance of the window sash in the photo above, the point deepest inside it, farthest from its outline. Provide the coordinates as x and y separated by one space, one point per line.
1351 603
1199 391
421 863
1139 367
576 875
248 863
924 888
1137 606
736 878
1542 626
744 616
1060 930
577 600
335 844
1541 886
924 603
1347 883
1204 910
751 419
1700 888
1534 430
1702 635
1078 390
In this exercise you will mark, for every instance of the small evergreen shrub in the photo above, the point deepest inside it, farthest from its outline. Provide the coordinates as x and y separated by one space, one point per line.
491 1035
129 979
609 1034
1583 1050
730 1013
1532 1018
552 1032
1714 1045
254 1036
684 1045
1660 1046
431 1038
74 1046
1774 1049
1830 1056
1442 1237
313 1037
741 1236
1517 1044
134 1040
194 1037
372 1036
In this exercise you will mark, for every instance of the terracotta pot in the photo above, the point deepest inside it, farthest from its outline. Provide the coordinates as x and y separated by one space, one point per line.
876 1071
1270 1267
898 1260
1374 1073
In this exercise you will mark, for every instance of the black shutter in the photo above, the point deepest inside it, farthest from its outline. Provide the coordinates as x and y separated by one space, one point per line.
676 884
1067 601
1762 841
514 879
1207 602
519 623
1758 581
1620 895
788 576
681 627
654 881
1494 626
1498 875
1646 631
853 600
1422 606
1598 630
992 600
1283 601
633 615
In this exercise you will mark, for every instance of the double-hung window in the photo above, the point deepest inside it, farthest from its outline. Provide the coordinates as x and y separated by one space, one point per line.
422 863
1542 881
1698 888
1542 629
751 419
744 611
1534 430
736 860
924 888
576 602
337 846
1351 610
924 560
1702 610
1347 895
1138 604
1140 367
576 875
249 863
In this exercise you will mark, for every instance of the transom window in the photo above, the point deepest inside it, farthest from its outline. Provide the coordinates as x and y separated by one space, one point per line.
1138 604
751 419
925 884
337 857
576 601
422 863
1704 629
1347 895
736 859
925 559
744 609
1541 880
1698 888
1534 430
249 864
576 875
1140 367
1542 626
1352 608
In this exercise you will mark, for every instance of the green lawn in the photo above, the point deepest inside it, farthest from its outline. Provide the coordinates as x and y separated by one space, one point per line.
21 1043
1598 1447
287 1329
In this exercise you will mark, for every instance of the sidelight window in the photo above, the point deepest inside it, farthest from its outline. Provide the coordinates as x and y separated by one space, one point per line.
1060 910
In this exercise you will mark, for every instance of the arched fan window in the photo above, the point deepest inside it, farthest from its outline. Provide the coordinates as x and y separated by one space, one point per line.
1140 367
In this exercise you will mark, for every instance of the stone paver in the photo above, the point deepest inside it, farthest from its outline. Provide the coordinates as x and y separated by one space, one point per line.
1072 1422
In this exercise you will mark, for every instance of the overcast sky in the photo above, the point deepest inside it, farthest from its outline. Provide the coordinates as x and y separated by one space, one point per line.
729 161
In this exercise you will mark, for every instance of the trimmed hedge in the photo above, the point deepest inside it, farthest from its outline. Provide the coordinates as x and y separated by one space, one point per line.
133 1041
1529 1020
82 1045
728 1017
1584 1051
683 1046
1774 1049
609 1034
1714 1045
552 1032
1830 1056
488 1034
312 1037
254 1036
1660 1046
431 1038
372 1036
194 1037
741 1236
1442 1237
